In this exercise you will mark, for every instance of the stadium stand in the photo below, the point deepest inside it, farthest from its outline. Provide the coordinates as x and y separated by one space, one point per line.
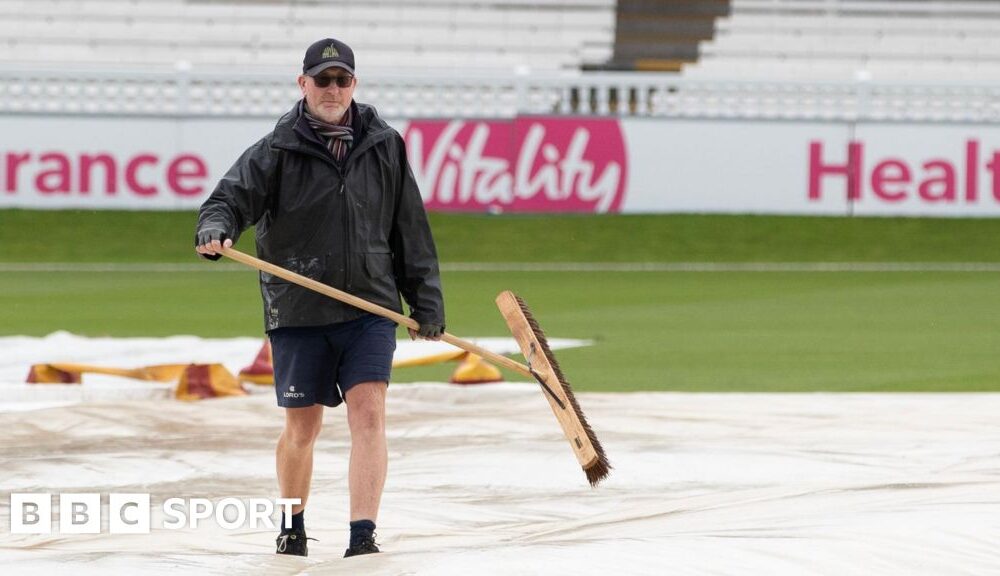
450 35
925 60
923 41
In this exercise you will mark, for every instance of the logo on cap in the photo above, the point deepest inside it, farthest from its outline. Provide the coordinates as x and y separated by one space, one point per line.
330 52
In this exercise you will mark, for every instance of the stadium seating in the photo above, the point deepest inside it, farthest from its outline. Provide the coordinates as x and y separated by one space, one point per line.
846 39
254 35
927 60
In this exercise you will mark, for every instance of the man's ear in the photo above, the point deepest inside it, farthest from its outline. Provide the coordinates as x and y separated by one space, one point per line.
302 83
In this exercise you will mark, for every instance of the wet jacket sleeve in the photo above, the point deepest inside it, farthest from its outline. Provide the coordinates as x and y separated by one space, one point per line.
241 196
415 259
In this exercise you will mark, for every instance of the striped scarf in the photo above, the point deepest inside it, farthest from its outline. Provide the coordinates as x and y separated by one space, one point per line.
338 137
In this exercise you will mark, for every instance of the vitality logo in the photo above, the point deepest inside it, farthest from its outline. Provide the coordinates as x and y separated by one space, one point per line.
524 165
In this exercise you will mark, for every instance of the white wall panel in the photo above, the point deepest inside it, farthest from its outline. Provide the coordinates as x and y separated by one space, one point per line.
662 164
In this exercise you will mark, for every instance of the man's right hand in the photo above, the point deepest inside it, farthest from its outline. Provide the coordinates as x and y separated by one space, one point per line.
427 332
210 241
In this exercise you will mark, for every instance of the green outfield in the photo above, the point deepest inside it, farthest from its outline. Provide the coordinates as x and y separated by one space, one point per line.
111 236
653 330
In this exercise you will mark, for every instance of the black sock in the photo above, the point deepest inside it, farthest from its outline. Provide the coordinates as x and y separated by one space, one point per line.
298 522
361 530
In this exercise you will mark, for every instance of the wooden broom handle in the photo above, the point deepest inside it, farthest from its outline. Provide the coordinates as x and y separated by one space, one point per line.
371 307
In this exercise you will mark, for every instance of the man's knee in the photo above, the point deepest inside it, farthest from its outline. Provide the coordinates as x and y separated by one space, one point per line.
366 407
303 425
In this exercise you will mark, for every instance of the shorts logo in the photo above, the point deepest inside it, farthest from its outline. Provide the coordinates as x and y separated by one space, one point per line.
293 394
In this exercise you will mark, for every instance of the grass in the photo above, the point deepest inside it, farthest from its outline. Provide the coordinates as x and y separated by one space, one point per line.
653 330
113 236
711 331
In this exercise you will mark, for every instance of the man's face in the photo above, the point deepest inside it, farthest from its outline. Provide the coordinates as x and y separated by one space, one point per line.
328 103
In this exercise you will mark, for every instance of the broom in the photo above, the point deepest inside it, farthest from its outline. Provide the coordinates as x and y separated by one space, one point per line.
542 364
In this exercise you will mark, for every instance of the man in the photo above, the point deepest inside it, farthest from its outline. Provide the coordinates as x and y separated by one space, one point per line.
333 198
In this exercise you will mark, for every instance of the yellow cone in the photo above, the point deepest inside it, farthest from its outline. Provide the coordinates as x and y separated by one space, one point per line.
475 370
261 371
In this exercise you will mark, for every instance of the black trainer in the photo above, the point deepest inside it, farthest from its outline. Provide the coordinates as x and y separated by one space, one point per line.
293 543
366 546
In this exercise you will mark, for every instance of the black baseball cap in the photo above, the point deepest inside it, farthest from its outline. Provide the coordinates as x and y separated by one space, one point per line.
327 53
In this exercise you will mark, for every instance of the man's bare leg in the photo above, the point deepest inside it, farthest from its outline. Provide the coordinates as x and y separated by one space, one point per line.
369 456
295 452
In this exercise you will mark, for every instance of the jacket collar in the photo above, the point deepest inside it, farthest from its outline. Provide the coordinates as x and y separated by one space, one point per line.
292 132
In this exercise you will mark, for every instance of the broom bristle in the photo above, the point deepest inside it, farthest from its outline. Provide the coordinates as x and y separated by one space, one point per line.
598 469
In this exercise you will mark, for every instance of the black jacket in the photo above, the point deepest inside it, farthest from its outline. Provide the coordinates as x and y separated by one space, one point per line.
360 227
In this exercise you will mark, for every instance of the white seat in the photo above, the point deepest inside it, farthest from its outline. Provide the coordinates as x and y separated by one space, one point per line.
834 38
449 33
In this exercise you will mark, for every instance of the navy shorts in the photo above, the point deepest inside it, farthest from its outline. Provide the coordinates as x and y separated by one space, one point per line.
319 364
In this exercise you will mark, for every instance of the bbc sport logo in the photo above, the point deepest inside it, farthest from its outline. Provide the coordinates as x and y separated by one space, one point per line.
81 513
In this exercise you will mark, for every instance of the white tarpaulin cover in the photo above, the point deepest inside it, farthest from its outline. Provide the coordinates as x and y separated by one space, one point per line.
482 482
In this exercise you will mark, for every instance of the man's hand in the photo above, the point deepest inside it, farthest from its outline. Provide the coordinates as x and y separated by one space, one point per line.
210 241
427 332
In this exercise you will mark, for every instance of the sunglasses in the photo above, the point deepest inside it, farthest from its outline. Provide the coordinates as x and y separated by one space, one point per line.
342 81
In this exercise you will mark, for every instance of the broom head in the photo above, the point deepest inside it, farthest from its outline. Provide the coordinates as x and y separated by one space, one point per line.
543 363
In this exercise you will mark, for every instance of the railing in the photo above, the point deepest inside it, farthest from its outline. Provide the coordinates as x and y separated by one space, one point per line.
197 93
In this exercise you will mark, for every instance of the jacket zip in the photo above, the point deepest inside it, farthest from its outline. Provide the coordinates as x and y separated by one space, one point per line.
347 233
